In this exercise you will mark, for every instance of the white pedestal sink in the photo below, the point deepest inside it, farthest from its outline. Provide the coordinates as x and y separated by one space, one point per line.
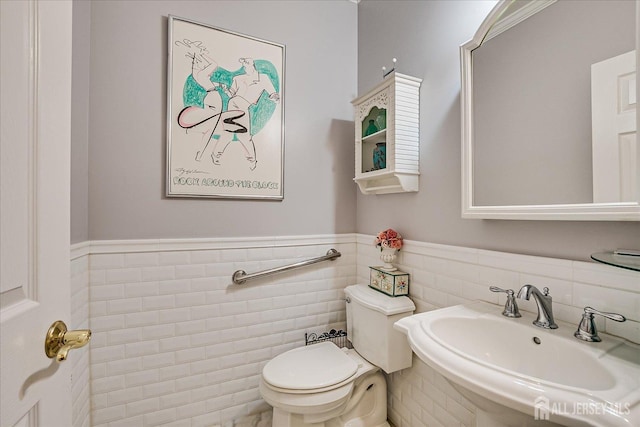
520 374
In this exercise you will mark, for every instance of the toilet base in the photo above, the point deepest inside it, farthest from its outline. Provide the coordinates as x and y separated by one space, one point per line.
367 407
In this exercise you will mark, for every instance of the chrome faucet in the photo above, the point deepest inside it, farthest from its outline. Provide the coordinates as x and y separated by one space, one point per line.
587 328
543 301
510 306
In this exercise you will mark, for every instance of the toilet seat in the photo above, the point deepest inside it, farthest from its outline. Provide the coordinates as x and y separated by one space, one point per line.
312 369
320 404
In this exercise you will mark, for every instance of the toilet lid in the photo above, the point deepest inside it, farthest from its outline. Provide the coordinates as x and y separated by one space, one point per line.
311 367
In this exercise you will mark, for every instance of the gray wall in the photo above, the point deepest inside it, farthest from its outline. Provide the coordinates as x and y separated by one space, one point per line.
126 157
127 121
425 37
80 122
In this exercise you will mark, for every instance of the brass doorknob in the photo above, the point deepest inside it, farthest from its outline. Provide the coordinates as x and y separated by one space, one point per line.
59 340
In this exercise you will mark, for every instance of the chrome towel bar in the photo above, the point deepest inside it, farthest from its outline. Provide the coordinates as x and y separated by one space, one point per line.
241 276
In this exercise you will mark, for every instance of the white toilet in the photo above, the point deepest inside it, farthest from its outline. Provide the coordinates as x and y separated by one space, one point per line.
322 385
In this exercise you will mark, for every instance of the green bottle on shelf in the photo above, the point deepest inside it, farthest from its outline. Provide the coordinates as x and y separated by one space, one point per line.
371 129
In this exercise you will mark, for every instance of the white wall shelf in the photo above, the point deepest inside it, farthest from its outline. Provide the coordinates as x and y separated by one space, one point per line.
388 115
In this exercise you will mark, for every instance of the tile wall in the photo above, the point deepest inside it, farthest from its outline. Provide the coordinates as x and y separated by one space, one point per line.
175 343
79 358
442 276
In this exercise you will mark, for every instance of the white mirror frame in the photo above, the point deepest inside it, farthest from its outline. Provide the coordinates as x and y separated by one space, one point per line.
624 211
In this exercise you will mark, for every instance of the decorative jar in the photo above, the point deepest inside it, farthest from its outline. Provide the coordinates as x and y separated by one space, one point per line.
380 156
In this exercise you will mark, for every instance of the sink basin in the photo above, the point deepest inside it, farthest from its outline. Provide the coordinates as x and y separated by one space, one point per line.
549 358
503 364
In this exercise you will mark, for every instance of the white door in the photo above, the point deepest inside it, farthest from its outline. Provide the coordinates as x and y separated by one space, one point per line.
613 108
35 93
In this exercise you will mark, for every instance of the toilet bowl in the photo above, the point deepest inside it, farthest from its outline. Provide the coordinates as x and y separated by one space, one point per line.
322 385
315 384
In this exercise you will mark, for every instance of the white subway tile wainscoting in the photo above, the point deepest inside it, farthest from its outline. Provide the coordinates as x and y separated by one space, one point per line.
80 379
176 343
443 276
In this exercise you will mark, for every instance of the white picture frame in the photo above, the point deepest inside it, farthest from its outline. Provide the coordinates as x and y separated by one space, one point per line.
225 113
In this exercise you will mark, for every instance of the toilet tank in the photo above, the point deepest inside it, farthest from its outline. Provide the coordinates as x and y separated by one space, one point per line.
370 318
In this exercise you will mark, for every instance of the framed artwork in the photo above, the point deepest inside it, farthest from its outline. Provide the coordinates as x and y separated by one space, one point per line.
225 114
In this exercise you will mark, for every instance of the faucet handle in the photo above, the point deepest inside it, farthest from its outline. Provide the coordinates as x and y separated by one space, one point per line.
613 316
587 328
510 307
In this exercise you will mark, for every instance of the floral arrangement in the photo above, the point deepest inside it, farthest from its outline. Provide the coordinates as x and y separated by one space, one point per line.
388 238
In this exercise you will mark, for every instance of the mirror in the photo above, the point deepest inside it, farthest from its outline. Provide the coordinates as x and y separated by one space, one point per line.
548 112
